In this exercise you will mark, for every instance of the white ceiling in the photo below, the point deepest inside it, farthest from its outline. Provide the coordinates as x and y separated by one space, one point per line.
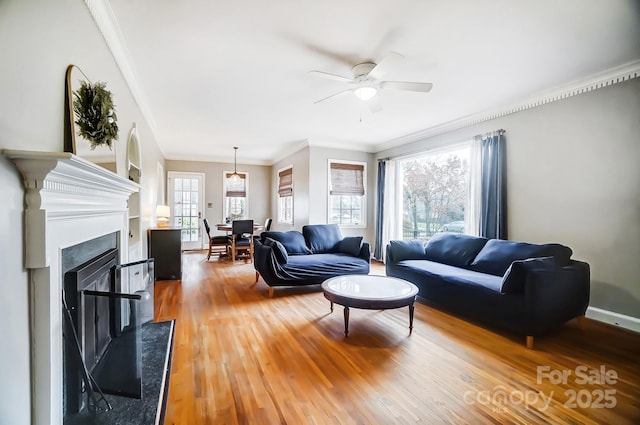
218 74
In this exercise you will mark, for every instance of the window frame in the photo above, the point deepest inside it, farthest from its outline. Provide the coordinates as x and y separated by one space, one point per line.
363 197
225 212
436 151
280 207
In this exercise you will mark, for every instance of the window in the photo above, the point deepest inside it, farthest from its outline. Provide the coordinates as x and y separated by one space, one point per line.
235 196
285 196
435 192
346 193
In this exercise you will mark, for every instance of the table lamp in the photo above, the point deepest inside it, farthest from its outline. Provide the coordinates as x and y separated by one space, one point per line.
163 212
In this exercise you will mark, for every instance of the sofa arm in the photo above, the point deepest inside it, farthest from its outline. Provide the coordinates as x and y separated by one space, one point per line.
365 252
556 296
266 264
399 250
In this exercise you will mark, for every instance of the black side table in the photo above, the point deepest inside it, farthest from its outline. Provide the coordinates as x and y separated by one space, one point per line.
165 246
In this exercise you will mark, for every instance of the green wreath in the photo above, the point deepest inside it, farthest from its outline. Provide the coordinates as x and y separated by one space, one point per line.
95 114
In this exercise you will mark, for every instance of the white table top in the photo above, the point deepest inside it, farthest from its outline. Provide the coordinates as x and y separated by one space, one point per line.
370 287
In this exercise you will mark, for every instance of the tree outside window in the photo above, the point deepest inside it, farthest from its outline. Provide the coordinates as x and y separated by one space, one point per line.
435 192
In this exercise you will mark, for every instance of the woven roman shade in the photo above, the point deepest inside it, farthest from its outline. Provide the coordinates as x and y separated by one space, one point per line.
347 179
236 190
285 182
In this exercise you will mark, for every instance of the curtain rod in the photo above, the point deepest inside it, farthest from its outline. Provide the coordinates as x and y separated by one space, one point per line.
491 133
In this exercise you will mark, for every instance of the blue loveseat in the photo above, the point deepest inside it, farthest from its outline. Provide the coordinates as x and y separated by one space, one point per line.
523 287
309 257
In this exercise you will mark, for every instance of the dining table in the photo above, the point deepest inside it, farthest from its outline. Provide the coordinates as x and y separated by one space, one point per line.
226 227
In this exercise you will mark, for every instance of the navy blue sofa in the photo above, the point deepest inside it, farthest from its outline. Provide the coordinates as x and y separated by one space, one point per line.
309 257
523 287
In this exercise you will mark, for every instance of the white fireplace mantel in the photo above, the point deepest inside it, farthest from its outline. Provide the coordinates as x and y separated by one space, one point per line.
68 200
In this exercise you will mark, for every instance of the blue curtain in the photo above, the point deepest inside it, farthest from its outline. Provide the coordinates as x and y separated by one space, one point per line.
493 210
377 251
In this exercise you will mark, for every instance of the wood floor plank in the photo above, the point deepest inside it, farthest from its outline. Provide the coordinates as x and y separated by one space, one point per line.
241 357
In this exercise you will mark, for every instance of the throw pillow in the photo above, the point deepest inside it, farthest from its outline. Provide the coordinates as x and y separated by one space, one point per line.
516 274
292 240
351 245
407 250
322 238
497 255
278 250
454 249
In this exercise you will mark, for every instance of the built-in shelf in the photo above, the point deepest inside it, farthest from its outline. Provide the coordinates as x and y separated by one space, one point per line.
134 174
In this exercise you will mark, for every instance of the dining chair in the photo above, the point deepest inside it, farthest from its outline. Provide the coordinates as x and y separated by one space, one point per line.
217 244
241 239
266 228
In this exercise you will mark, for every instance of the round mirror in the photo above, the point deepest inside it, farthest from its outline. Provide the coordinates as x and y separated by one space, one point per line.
80 94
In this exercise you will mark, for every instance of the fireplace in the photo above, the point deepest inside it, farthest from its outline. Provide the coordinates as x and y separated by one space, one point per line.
102 325
68 201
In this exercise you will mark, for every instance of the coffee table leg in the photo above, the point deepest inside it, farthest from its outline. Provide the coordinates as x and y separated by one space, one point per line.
346 321
411 308
332 306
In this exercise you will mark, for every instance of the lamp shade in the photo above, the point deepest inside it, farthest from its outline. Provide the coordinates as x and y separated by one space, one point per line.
163 212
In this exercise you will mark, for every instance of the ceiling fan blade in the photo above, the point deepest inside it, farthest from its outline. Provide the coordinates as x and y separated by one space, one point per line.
385 64
334 95
406 85
331 76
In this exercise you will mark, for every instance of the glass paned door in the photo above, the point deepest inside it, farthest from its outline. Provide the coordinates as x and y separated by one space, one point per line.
186 199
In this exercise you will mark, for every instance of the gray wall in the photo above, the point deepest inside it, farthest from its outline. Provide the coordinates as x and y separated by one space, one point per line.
310 187
259 188
301 195
319 181
38 40
573 177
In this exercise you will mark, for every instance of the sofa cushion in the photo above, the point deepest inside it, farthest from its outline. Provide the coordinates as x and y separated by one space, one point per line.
278 250
454 249
515 276
322 238
438 274
497 255
293 241
350 245
407 250
312 269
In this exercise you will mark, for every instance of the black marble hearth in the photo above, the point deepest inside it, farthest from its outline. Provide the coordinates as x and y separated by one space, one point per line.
157 346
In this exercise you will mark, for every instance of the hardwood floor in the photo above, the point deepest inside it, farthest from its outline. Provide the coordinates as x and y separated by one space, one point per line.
241 357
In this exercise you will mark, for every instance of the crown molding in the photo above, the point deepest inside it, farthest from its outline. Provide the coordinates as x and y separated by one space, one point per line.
341 144
287 152
224 159
107 23
597 81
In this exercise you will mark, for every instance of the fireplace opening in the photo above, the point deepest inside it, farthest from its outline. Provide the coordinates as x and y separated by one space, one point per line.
104 306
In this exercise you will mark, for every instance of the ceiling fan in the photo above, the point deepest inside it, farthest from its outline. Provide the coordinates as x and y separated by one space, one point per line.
367 79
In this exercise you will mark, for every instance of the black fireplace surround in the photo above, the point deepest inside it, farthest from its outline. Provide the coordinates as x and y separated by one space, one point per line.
102 324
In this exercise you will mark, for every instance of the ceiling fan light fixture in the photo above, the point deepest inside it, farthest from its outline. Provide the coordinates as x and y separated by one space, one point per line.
365 93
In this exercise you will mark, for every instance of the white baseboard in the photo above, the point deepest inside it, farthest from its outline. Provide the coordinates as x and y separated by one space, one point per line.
612 318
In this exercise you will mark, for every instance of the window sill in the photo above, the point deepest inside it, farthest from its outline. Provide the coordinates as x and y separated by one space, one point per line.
351 226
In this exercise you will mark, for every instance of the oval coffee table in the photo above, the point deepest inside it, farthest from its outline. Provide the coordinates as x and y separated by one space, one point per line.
370 292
